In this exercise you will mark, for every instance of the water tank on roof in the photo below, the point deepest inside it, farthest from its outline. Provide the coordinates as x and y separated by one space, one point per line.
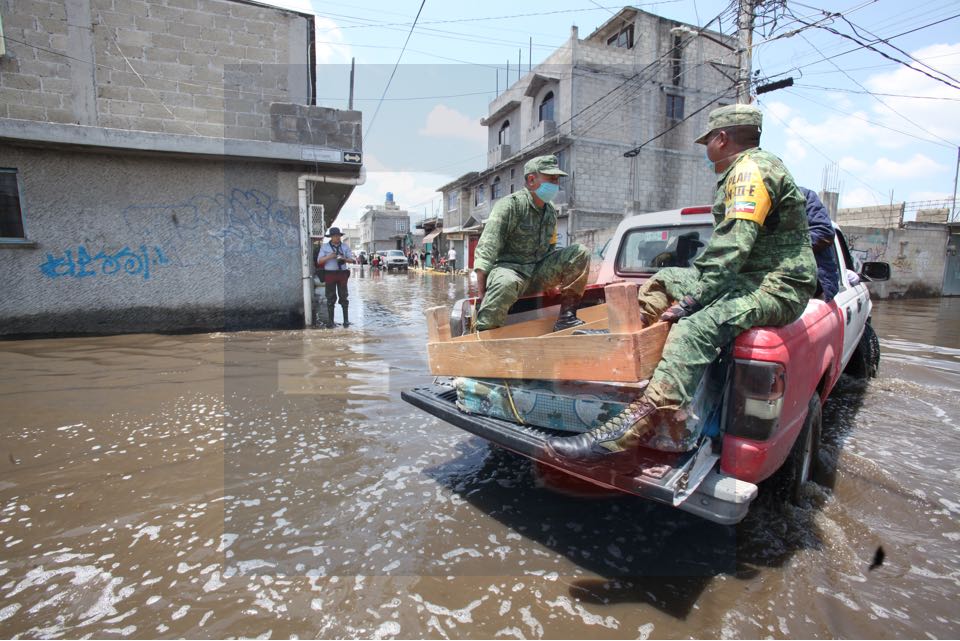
389 196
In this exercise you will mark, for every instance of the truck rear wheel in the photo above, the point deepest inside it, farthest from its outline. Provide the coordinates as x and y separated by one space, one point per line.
798 468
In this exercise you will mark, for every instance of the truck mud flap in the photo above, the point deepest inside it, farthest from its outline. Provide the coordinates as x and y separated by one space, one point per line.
673 479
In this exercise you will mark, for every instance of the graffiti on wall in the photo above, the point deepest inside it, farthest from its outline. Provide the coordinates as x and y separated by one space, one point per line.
242 228
207 229
123 262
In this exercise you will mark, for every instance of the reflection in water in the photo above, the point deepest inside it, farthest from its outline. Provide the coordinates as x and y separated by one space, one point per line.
273 483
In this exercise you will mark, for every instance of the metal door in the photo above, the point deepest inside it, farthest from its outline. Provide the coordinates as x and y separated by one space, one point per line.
951 272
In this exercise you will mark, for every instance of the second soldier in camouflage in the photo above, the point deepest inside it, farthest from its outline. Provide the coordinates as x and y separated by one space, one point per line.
517 252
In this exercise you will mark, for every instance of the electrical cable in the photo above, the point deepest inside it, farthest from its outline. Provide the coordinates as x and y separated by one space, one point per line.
393 73
879 99
817 149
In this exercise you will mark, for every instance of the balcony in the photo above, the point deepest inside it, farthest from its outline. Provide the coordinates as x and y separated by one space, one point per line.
544 129
498 154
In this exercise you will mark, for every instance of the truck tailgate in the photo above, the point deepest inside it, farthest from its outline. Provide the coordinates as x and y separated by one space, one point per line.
674 479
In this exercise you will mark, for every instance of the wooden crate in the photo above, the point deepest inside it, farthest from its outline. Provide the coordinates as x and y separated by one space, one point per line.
531 349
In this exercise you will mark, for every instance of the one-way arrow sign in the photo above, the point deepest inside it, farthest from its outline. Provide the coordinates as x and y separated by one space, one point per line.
352 157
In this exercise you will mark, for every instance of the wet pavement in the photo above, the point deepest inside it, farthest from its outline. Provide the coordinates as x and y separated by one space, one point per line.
272 484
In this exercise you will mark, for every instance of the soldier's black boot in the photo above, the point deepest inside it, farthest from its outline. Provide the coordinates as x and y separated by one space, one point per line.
568 314
330 307
620 433
346 317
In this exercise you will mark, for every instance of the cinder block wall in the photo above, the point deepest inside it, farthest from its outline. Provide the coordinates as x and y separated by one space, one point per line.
881 216
195 67
150 245
917 258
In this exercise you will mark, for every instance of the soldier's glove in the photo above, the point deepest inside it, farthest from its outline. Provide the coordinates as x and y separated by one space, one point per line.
684 307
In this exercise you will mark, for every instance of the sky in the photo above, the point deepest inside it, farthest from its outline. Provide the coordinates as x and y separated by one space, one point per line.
856 121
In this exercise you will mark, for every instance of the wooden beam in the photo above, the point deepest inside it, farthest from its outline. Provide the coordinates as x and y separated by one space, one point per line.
535 327
438 324
622 308
598 357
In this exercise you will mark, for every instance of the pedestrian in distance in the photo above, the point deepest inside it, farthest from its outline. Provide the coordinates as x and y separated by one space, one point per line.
821 239
517 252
452 259
757 269
333 258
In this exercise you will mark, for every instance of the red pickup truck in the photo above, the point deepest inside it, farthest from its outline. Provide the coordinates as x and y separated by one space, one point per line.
760 401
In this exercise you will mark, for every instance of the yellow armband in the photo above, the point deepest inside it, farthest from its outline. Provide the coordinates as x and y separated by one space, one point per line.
746 195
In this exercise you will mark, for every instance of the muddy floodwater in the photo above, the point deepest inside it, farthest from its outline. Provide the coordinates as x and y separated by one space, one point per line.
273 484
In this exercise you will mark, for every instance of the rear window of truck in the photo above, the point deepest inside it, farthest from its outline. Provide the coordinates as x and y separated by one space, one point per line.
646 250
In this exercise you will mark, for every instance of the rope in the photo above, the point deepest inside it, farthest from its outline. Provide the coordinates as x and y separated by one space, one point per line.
513 407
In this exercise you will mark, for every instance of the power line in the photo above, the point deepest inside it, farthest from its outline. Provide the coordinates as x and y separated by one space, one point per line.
865 45
878 99
636 150
875 93
896 48
871 122
392 73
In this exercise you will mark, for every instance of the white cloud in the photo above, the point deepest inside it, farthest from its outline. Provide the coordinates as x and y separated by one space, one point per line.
915 167
331 46
796 149
929 195
859 197
933 118
851 164
779 110
444 122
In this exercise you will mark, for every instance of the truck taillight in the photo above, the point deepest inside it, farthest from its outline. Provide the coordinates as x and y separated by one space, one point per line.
756 398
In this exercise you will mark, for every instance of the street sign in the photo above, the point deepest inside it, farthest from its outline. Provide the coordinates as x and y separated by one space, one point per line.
319 154
352 157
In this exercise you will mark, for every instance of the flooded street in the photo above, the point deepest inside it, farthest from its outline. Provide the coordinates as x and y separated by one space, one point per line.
273 484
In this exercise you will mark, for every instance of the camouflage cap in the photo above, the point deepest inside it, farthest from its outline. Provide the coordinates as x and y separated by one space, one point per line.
543 165
731 116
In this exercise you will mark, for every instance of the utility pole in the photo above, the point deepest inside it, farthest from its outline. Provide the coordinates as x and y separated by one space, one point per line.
353 62
745 49
956 173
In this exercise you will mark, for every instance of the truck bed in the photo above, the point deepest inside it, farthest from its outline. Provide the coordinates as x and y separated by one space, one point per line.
689 481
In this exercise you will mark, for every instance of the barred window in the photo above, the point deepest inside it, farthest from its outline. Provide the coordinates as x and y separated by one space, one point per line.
674 107
11 215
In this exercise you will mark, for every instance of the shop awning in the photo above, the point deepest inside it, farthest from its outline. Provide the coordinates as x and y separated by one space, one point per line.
429 237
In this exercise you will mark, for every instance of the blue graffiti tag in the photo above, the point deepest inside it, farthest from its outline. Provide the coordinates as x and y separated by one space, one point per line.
124 261
208 229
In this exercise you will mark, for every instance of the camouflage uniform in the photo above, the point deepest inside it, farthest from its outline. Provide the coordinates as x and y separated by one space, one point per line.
517 251
758 269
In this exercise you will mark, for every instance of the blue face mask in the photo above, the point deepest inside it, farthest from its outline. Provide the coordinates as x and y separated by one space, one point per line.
547 192
710 164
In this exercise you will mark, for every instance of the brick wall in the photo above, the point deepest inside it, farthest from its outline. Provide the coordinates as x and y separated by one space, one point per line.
196 67
882 216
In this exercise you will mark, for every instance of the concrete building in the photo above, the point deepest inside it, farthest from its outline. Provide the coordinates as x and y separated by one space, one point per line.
157 163
384 227
621 109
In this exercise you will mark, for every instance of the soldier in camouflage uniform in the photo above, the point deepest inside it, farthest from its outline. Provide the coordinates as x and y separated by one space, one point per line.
757 269
517 253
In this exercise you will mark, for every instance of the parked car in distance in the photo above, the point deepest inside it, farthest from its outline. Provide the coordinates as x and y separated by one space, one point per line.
395 259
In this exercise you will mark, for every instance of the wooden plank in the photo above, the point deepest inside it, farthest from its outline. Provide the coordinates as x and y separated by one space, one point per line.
598 357
622 308
597 324
650 342
531 328
438 324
